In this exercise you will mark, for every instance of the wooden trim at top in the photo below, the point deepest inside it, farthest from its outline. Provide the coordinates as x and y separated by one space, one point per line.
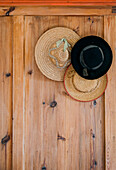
55 10
58 2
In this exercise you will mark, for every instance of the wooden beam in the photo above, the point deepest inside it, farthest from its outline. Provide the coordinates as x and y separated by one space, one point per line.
59 2
18 93
55 10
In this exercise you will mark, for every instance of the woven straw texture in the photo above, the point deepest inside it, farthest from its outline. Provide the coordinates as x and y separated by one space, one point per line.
60 55
44 63
81 89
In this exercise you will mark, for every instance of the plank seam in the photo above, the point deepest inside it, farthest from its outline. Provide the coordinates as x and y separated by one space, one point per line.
24 93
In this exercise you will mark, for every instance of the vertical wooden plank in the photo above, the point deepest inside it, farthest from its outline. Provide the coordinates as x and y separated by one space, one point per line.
94 26
18 93
5 91
110 96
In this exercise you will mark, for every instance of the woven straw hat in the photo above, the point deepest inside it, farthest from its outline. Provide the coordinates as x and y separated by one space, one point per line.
82 89
52 52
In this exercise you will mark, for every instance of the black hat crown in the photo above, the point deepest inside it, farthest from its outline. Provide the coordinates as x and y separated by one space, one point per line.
91 57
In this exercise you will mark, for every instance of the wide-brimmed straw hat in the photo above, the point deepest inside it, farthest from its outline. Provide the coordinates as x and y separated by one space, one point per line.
52 52
91 57
82 89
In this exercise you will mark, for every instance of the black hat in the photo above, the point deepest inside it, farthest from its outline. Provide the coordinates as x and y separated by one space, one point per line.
91 57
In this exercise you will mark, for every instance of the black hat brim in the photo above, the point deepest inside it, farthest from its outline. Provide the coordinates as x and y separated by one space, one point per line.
86 41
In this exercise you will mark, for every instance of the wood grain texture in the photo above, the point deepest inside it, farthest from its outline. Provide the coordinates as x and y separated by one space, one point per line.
18 93
92 116
69 136
5 91
40 126
58 2
110 96
60 138
39 10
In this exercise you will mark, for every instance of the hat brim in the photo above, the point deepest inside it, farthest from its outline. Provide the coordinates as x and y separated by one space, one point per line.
80 96
82 43
44 63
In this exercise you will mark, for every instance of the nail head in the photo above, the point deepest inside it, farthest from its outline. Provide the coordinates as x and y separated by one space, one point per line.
93 135
94 102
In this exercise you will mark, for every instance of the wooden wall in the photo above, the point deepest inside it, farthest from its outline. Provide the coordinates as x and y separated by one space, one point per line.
70 136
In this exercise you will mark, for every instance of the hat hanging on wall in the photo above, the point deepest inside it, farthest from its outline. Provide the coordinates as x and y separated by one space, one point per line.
91 57
82 89
52 52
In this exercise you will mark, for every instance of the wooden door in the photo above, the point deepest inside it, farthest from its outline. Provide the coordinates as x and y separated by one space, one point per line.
71 136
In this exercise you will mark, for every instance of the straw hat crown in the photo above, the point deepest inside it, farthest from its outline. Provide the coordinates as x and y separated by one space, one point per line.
52 52
82 89
83 85
59 53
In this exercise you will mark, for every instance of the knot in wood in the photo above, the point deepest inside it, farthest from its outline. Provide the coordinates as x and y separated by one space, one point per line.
5 139
89 19
61 138
95 163
30 72
53 104
8 74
